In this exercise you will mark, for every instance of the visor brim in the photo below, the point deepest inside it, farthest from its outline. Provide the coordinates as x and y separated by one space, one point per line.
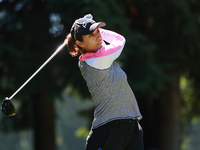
95 25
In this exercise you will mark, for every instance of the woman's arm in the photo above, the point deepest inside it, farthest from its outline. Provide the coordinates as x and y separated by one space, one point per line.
103 58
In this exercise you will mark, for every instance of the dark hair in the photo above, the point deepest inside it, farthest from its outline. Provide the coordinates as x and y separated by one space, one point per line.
73 48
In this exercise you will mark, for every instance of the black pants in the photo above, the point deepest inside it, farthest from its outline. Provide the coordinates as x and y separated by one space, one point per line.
125 134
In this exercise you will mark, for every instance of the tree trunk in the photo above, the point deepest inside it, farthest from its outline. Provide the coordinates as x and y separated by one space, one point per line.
44 127
170 135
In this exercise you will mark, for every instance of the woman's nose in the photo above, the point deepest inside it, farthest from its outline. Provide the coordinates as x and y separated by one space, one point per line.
99 36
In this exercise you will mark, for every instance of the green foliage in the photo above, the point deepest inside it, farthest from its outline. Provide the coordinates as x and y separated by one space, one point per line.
190 98
82 132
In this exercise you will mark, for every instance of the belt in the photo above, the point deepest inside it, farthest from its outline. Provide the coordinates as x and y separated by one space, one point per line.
120 122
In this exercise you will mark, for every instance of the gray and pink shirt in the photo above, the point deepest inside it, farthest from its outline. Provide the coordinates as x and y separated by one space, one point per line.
107 82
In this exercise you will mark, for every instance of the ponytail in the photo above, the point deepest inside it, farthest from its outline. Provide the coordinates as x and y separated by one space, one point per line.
73 48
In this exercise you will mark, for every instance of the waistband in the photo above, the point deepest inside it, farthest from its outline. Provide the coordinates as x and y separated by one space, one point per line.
121 122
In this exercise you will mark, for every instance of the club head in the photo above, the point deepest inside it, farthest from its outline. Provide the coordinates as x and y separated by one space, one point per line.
7 107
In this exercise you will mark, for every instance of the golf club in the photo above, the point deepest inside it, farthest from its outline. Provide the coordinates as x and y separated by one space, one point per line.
7 106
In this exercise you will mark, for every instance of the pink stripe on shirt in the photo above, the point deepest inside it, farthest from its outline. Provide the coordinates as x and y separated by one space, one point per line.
116 41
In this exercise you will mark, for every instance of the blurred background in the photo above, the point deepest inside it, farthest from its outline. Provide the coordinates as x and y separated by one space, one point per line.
54 111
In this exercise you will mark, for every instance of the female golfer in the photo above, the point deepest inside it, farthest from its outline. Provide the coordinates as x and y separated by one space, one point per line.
115 125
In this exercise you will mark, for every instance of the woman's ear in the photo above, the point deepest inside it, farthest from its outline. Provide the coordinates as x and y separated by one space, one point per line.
79 43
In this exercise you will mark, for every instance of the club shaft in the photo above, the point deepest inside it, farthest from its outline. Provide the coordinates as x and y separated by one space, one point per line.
57 50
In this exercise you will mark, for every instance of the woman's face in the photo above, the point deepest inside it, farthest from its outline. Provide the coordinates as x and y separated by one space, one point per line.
91 42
